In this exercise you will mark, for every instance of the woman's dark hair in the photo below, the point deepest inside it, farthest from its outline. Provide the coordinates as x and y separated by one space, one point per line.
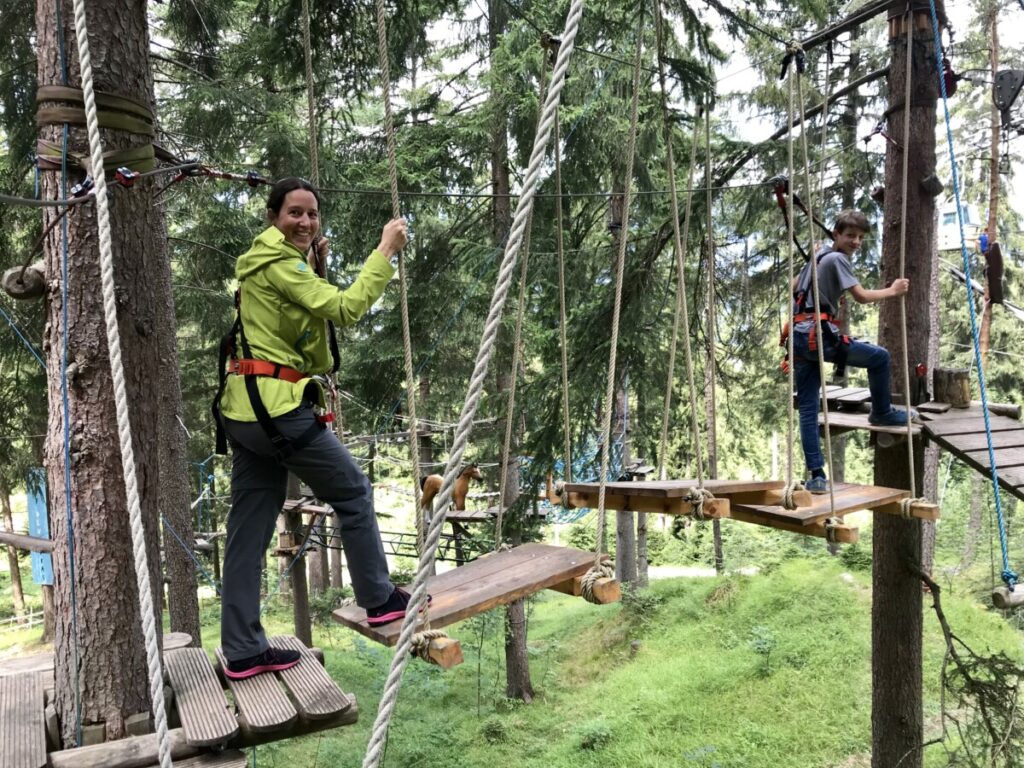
280 190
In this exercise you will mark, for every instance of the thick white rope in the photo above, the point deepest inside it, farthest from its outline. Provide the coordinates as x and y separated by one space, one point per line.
146 608
396 212
680 242
562 314
389 697
791 483
620 266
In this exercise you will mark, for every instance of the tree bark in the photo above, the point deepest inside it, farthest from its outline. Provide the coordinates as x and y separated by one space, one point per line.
897 716
17 594
97 605
985 332
625 534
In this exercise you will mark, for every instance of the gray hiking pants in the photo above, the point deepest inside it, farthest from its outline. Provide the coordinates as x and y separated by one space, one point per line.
258 488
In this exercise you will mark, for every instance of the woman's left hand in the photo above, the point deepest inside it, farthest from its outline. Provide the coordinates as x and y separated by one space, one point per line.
317 257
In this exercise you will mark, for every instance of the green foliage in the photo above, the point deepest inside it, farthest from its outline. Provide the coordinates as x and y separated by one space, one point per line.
641 605
323 605
594 735
763 642
856 557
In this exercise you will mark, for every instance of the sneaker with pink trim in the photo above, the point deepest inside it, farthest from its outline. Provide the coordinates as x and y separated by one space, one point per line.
271 660
393 609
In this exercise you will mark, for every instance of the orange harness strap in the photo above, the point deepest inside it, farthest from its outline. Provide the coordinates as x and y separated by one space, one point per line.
265 368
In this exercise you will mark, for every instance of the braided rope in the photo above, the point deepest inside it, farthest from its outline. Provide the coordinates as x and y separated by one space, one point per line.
832 529
307 44
396 212
697 497
788 491
620 263
146 608
562 320
815 291
602 570
389 697
905 356
906 511
711 367
420 646
680 243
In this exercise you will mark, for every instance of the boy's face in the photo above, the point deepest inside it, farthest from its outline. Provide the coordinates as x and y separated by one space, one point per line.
848 240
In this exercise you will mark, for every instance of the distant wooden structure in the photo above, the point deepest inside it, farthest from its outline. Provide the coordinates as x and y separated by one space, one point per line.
267 707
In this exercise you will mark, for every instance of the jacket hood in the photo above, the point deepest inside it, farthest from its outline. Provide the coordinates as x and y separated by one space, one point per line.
269 246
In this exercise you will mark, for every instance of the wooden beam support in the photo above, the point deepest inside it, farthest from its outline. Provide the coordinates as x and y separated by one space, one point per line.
605 590
1004 599
921 510
771 498
445 652
844 534
713 508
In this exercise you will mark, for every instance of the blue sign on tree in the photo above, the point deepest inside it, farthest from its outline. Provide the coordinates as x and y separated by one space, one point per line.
39 525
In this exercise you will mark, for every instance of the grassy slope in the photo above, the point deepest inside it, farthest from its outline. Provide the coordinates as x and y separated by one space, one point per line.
693 693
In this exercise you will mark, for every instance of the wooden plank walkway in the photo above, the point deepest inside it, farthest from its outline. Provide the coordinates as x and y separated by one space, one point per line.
848 498
666 497
487 582
262 704
202 707
316 695
961 431
22 724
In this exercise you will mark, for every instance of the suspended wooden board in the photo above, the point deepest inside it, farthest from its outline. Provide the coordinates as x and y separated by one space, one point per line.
667 497
961 431
203 710
845 421
487 582
22 724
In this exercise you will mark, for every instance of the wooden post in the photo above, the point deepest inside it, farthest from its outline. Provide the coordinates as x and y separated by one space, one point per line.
953 386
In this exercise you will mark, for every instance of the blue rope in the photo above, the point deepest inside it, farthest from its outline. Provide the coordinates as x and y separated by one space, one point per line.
1009 575
20 335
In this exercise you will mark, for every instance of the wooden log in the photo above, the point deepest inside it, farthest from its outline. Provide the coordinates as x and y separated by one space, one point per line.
1004 409
673 505
844 534
1004 599
953 386
28 286
30 543
771 498
921 510
605 590
445 652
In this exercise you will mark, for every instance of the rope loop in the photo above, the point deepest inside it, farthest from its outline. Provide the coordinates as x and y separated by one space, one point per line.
420 647
1010 578
788 502
794 53
831 529
603 570
905 507
697 497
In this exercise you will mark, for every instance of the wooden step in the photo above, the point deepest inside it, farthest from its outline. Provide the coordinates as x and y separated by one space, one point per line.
487 582
848 498
962 425
262 704
316 695
22 725
204 711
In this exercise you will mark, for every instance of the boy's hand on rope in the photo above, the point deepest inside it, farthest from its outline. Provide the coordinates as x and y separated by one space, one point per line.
394 237
900 286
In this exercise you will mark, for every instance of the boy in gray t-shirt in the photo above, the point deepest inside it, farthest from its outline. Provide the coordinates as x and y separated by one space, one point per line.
835 277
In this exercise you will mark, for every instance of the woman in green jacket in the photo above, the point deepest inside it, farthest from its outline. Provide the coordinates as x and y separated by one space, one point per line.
269 410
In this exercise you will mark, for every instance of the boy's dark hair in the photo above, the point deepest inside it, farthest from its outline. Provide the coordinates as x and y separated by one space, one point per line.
280 190
851 218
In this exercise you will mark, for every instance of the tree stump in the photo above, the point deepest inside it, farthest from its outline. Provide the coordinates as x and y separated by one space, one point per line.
953 386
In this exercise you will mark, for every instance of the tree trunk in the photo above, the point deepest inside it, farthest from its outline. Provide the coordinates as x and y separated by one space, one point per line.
97 604
897 716
995 123
316 559
17 595
625 534
175 505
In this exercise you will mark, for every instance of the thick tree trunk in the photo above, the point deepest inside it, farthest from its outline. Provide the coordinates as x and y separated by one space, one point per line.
99 646
17 595
625 533
897 716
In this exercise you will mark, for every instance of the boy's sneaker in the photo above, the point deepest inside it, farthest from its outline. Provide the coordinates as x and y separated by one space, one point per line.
817 485
271 660
392 610
896 417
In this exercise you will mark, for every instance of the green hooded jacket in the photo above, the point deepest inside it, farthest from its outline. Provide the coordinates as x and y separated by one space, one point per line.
285 306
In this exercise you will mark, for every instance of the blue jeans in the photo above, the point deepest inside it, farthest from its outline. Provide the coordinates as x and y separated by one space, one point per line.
808 386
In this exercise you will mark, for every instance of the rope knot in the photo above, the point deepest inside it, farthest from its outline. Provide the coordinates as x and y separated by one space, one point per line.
788 502
420 647
832 529
603 570
1010 577
696 497
905 507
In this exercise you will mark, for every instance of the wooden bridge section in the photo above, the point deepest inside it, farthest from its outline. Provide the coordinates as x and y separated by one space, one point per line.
264 708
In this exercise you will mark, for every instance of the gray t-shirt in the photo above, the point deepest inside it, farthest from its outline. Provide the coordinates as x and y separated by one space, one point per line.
835 275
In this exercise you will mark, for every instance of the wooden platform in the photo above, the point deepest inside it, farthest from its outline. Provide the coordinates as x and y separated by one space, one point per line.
666 497
267 707
496 579
43 662
961 431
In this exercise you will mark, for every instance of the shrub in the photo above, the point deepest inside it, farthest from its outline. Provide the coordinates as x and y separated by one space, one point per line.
595 735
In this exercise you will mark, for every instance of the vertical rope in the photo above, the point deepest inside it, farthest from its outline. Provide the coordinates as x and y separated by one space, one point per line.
791 311
396 212
905 354
620 262
562 320
389 696
817 298
712 371
146 608
314 150
680 243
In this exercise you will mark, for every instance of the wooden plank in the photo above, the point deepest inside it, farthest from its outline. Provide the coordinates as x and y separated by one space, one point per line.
848 498
204 711
844 534
43 662
489 581
712 508
858 396
673 488
847 420
922 510
262 704
933 407
604 590
1005 457
979 441
316 695
771 498
230 759
22 723
968 424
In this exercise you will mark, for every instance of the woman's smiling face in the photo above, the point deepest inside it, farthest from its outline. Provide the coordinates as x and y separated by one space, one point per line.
298 219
